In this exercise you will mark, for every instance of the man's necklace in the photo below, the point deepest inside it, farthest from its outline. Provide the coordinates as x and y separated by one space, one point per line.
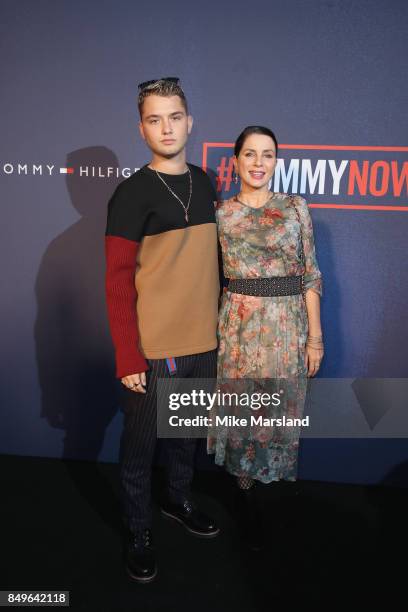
176 196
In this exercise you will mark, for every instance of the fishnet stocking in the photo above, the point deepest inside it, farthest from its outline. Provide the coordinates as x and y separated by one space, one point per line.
245 482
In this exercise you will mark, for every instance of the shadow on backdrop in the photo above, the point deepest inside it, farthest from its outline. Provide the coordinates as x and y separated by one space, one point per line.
79 392
74 356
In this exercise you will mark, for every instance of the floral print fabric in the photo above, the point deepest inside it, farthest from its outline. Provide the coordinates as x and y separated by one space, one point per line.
264 337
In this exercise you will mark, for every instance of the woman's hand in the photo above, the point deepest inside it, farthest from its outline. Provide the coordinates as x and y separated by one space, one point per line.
135 382
313 358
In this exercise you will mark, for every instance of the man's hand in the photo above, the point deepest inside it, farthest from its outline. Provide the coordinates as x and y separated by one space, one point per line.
135 382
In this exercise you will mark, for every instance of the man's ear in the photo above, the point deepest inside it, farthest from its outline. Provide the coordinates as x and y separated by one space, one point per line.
190 122
141 130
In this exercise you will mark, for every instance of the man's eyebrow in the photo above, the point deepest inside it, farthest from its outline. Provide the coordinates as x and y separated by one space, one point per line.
158 116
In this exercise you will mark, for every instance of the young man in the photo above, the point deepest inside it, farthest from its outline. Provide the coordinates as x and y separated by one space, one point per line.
162 290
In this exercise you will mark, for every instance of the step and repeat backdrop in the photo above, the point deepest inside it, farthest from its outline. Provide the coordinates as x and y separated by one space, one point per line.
328 76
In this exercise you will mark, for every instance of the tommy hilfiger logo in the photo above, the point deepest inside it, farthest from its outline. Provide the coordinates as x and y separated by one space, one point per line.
31 169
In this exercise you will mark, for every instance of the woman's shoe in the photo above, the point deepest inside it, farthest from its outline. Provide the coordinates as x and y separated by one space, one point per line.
250 518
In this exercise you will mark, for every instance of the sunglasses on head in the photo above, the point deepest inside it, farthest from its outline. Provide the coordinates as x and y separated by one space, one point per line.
145 84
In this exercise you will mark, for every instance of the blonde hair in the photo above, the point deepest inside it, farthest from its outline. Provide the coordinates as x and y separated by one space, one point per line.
163 88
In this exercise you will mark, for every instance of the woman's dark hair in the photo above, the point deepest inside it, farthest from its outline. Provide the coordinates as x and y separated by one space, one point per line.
253 129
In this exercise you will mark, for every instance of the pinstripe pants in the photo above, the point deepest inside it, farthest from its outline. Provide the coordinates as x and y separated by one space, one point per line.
139 438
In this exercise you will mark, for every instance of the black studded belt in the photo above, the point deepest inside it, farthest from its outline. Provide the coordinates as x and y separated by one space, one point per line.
267 287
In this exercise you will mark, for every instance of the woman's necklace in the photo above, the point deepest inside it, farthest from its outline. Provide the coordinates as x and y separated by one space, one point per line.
270 194
185 207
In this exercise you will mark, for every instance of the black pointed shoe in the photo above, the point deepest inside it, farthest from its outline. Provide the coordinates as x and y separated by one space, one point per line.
196 522
140 558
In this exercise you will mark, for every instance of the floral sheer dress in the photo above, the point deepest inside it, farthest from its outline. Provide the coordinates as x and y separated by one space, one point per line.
264 337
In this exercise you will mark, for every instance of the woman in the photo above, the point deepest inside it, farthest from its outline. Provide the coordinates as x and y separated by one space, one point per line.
269 328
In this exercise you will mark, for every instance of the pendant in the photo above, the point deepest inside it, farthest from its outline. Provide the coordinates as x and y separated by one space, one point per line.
186 217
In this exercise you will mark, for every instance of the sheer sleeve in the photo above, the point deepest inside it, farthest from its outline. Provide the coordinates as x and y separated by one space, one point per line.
312 275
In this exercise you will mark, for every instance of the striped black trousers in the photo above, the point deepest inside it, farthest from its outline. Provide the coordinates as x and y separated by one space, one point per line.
139 438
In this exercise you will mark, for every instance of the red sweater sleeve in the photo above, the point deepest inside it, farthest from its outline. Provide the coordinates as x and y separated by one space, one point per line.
121 297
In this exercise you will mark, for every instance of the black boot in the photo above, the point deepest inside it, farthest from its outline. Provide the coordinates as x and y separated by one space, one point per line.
140 559
192 519
250 518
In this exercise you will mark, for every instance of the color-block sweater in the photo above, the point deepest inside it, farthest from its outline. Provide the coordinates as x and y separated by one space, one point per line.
162 280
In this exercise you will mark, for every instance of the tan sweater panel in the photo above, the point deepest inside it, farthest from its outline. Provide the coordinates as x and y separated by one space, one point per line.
178 287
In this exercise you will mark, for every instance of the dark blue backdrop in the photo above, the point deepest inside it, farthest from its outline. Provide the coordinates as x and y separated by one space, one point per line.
321 72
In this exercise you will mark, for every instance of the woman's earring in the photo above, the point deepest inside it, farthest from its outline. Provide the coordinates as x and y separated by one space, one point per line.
234 177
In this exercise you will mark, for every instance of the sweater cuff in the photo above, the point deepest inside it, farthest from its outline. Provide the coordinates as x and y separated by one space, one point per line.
130 363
